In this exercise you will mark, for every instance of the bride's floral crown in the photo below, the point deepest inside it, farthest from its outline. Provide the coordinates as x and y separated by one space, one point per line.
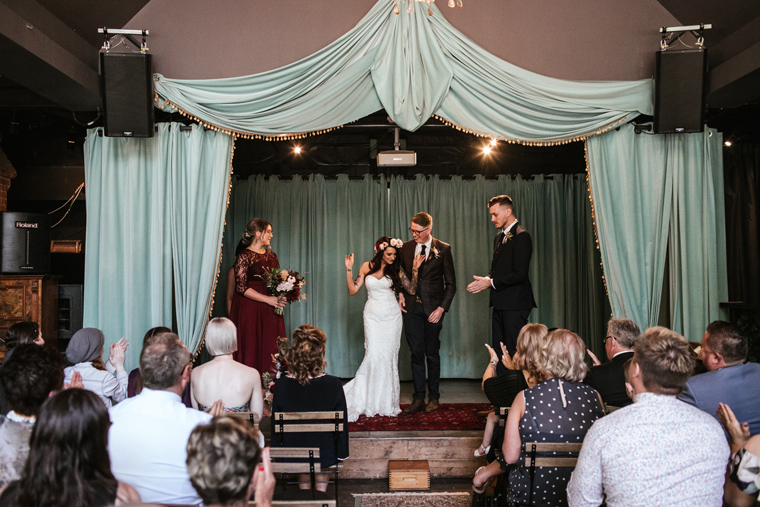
394 242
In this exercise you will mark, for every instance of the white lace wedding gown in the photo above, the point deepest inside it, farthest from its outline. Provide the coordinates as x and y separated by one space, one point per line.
375 389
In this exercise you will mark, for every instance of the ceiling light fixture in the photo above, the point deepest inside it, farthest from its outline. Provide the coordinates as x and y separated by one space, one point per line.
486 150
297 150
410 5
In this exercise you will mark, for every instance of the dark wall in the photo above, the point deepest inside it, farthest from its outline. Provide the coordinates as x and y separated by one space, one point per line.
582 39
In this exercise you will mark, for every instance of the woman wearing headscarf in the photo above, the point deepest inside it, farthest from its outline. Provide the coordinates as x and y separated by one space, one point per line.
86 347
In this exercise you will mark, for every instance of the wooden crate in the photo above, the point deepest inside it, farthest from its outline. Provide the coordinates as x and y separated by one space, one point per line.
411 474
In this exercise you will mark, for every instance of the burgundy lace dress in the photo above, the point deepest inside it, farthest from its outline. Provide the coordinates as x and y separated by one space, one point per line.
258 327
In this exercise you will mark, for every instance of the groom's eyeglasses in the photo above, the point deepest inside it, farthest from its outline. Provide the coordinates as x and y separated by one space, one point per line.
417 233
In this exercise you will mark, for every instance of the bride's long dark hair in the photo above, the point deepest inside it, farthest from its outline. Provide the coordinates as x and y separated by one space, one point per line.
391 270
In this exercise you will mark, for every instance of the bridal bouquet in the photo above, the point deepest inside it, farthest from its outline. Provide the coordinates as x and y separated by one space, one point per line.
284 282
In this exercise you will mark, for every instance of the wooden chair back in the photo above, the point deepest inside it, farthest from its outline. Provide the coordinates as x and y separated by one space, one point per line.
532 449
281 420
503 412
317 422
251 417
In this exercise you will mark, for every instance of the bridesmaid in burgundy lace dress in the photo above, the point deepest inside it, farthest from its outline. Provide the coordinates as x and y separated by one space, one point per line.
252 307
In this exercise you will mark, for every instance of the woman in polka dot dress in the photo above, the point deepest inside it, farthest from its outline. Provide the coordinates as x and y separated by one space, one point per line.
560 409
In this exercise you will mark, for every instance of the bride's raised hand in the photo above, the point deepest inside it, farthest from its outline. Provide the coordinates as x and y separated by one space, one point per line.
418 261
349 261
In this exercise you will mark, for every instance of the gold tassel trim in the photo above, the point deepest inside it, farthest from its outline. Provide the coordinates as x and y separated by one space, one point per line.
524 142
221 245
593 216
161 103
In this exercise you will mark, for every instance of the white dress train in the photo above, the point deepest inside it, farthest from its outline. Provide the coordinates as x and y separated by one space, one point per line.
375 389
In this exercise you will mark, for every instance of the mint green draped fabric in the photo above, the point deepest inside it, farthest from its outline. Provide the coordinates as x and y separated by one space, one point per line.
697 250
413 66
155 207
656 195
316 222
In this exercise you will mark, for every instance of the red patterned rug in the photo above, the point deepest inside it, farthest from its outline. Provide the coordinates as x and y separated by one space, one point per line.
451 416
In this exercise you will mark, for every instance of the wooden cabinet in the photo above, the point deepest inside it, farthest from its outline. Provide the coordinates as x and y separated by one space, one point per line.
29 297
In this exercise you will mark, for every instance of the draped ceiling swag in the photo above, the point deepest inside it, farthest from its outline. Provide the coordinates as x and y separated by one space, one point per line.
414 66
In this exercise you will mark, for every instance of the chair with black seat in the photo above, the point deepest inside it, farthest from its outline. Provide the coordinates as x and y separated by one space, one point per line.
309 422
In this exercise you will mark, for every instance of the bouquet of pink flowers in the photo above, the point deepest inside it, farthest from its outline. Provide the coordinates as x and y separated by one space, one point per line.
285 283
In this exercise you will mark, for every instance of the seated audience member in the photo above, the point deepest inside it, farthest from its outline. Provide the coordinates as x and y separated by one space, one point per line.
608 378
68 461
135 381
743 475
559 409
18 334
226 464
729 378
30 375
307 389
148 437
85 347
521 373
237 385
657 451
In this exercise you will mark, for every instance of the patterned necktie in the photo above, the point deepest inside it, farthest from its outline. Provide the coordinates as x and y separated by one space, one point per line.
422 250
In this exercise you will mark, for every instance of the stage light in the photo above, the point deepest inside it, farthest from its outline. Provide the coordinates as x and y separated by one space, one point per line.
493 142
486 150
297 150
727 144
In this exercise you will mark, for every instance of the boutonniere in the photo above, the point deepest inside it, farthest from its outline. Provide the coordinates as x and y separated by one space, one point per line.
435 252
507 237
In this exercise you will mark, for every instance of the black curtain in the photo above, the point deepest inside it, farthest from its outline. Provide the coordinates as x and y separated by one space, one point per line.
741 163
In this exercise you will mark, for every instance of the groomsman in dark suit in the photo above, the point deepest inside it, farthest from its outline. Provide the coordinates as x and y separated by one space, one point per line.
424 312
511 292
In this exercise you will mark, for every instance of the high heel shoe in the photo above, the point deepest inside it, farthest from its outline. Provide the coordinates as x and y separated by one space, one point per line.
482 489
481 451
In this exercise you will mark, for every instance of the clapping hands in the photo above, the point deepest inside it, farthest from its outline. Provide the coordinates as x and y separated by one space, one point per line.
116 353
739 432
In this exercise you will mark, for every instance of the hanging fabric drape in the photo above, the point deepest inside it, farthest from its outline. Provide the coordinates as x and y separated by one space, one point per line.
317 222
413 65
655 195
153 205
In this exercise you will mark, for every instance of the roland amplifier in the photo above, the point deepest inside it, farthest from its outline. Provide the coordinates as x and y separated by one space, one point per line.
26 243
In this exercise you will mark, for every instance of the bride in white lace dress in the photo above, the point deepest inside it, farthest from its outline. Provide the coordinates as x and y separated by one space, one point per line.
375 389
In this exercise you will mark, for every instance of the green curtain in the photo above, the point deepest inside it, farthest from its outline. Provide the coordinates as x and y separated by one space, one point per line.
155 207
316 222
656 195
697 250
413 66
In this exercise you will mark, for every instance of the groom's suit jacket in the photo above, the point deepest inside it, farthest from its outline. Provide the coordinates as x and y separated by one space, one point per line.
436 284
511 289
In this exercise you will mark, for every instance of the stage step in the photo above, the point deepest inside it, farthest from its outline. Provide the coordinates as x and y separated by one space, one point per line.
449 453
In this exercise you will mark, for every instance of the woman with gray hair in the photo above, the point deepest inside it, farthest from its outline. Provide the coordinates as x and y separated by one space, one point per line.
85 349
223 378
559 409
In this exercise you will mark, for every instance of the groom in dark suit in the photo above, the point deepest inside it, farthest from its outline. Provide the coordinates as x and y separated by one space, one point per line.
511 292
424 312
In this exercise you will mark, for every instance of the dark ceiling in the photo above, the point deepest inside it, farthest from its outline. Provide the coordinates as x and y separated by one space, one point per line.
49 75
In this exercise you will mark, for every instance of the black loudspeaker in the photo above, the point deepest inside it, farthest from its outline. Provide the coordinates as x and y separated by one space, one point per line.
26 242
679 98
126 87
